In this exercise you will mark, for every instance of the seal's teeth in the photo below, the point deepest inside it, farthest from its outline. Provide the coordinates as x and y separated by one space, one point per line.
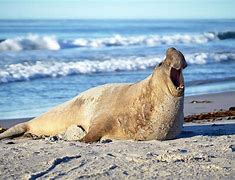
180 87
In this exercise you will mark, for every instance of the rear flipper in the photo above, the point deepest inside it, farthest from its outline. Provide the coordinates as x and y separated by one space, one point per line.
17 130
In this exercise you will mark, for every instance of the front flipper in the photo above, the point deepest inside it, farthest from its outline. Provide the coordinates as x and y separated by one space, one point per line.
100 128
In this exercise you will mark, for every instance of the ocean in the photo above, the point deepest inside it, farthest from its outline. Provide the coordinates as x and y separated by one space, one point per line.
46 62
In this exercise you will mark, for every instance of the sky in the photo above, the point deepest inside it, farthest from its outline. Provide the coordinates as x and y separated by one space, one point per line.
117 9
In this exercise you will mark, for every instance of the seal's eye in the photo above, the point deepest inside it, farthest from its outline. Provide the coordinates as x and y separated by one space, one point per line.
177 78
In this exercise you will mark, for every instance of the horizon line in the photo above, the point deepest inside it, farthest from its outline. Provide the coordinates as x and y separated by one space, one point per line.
117 18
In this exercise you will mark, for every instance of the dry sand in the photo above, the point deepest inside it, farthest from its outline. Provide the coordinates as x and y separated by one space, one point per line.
202 151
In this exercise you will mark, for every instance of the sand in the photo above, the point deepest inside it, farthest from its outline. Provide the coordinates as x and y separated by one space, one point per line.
204 150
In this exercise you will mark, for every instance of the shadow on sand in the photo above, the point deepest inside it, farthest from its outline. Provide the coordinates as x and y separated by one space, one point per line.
208 130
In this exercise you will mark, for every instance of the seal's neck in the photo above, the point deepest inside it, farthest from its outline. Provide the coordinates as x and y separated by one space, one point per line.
155 87
159 81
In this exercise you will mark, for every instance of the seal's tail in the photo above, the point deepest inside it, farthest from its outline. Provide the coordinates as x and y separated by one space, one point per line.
17 130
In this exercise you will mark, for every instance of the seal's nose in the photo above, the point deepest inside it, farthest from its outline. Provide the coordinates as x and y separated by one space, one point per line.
175 59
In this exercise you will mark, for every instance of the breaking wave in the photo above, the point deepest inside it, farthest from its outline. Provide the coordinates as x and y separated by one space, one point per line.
28 71
153 40
30 42
41 69
36 42
204 58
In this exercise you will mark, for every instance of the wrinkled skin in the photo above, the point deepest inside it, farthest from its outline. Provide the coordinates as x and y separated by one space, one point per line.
146 110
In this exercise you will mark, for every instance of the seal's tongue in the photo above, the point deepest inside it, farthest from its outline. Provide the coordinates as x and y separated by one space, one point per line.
176 77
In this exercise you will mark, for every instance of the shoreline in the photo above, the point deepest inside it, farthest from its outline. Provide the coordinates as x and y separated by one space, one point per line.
209 102
195 104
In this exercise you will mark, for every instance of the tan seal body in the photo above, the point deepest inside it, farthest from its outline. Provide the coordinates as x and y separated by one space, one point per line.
146 110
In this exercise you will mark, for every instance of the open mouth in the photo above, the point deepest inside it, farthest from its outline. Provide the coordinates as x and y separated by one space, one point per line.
177 78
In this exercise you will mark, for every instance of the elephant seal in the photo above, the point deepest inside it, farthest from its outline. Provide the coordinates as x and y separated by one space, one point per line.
146 110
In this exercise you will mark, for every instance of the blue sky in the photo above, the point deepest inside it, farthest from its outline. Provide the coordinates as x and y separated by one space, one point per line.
117 9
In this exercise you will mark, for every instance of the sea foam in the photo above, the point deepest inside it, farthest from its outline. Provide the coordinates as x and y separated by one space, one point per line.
28 71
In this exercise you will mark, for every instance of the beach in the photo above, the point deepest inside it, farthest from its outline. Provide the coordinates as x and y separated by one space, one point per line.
204 150
47 62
